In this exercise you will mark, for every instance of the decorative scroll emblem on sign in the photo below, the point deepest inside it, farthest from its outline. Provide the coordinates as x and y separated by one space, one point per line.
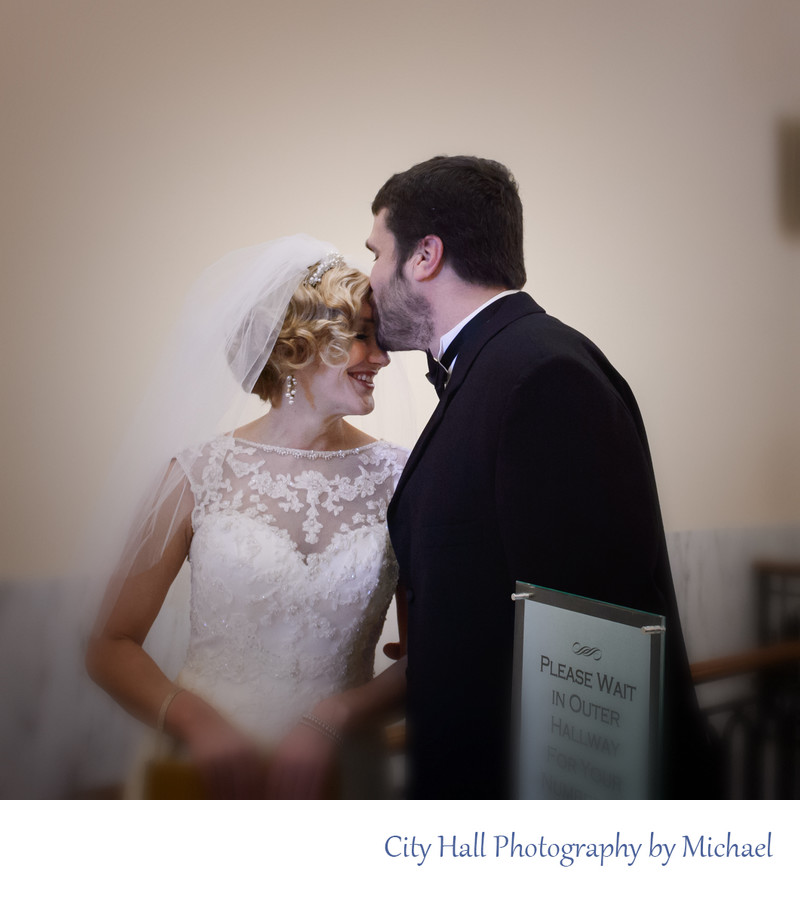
587 651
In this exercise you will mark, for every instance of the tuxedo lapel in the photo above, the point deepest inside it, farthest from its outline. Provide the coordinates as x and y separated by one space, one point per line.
509 309
504 310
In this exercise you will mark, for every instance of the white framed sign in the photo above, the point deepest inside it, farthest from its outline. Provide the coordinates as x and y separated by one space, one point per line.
587 693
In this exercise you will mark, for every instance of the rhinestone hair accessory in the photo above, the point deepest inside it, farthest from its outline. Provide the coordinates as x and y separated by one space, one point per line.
331 260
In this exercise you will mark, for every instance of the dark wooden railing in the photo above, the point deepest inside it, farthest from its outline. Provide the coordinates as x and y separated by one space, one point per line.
766 658
759 726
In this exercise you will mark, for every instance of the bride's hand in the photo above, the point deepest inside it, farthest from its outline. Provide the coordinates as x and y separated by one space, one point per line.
230 764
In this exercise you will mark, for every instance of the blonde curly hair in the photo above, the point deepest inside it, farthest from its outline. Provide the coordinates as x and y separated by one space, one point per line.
320 323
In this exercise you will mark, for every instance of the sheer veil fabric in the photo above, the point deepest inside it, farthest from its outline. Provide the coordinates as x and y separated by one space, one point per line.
201 387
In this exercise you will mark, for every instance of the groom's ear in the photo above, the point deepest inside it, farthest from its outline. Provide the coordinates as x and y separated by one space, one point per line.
427 259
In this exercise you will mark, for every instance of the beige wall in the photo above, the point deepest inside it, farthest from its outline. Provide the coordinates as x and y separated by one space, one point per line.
144 138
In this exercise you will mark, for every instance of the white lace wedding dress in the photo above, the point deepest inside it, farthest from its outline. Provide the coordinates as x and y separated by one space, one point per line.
292 573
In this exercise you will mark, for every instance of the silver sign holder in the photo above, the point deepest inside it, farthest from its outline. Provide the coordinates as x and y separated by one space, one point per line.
587 692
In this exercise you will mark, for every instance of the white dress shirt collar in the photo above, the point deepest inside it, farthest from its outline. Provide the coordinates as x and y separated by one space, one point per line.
448 338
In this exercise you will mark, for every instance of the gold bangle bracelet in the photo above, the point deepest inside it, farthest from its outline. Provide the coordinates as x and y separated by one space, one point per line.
162 714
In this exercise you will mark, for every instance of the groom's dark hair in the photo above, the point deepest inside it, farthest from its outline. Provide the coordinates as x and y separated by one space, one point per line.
471 204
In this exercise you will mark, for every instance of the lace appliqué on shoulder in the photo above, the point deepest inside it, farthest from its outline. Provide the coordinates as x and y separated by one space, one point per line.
303 493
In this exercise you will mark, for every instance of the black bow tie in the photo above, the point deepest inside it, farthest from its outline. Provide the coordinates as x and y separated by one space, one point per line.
437 373
439 369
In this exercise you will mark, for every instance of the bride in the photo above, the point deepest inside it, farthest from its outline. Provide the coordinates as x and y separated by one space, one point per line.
283 523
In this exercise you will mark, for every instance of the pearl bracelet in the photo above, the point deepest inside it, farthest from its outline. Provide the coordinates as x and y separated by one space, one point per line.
322 727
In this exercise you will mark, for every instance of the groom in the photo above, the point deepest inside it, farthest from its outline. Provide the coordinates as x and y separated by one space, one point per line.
534 466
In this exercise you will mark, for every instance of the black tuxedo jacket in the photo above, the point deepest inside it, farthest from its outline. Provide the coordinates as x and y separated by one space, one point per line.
534 466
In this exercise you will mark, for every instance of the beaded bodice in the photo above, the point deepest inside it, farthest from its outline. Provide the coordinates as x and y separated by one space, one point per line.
292 574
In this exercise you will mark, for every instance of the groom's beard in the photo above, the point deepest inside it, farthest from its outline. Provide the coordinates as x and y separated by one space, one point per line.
404 318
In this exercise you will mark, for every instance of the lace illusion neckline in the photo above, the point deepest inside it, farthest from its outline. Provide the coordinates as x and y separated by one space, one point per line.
307 453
